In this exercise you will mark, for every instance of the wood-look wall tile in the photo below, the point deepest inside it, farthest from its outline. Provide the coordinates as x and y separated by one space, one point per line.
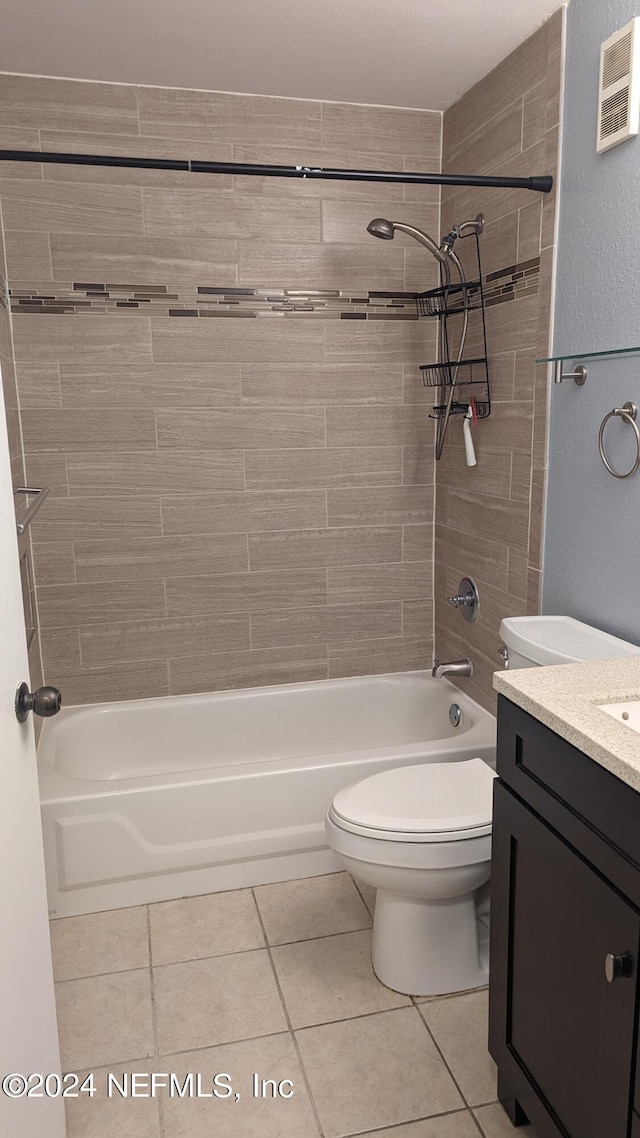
53 563
508 430
514 75
370 583
333 466
236 341
62 605
383 341
169 112
48 470
417 544
157 639
325 625
74 519
85 384
517 577
239 429
262 264
521 476
347 221
513 325
60 648
245 592
323 384
306 549
250 512
20 138
114 682
418 462
169 472
417 619
28 256
525 373
391 129
497 140
374 426
501 374
534 114
54 104
76 430
529 231
71 338
237 217
377 657
548 234
492 475
536 523
481 514
149 260
476 642
260 666
534 592
39 386
68 208
126 558
384 505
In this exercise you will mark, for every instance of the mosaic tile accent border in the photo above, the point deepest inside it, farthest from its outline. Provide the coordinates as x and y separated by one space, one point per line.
104 299
204 300
4 293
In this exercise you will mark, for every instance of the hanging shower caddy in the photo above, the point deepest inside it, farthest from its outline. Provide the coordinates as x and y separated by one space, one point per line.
471 373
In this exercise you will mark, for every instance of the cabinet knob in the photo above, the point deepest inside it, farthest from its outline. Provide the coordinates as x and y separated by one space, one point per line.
617 966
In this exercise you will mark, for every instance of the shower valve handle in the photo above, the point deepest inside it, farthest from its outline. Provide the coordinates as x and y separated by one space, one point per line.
45 701
461 599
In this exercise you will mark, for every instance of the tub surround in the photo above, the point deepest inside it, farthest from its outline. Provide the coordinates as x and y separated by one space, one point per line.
236 436
565 698
489 517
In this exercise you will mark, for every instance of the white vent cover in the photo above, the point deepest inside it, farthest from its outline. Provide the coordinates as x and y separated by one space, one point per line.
619 88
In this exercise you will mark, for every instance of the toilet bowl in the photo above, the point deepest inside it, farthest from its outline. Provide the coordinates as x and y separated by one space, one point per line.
421 835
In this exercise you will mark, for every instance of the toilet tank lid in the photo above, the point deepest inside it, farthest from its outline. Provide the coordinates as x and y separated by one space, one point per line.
426 798
561 640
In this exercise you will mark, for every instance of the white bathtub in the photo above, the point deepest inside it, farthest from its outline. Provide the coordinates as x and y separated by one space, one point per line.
160 798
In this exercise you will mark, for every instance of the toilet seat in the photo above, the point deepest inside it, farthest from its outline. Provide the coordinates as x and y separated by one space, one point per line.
428 802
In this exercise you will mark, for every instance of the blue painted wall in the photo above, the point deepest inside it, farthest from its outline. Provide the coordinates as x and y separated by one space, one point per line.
592 533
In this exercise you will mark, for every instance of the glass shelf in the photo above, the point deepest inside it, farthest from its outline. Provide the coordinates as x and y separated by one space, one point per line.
588 355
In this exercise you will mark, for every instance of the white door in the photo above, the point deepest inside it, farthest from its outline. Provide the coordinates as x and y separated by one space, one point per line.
28 1031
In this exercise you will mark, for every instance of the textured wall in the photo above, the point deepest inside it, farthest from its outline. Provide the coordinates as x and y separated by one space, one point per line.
235 501
489 517
591 544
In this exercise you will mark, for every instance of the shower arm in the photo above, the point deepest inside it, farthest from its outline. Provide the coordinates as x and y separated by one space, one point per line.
542 183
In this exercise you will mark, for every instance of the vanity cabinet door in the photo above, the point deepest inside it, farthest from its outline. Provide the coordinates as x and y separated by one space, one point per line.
561 1033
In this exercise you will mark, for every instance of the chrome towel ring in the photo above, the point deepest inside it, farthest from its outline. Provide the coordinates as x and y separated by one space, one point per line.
628 413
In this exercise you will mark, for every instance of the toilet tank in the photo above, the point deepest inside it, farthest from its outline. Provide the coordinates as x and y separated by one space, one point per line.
533 641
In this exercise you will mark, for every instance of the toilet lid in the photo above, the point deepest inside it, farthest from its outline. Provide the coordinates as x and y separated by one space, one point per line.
429 798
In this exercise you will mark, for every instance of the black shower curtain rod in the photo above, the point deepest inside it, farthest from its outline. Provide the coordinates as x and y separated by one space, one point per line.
543 183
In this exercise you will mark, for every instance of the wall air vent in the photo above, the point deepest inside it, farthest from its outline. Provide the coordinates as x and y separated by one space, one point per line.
619 87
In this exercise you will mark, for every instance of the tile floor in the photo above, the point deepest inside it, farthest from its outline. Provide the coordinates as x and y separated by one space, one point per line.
274 981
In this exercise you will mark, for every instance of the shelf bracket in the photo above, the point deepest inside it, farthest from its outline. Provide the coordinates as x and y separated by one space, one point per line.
579 376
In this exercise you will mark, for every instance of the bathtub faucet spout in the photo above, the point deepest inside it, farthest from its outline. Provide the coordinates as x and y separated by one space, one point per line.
453 668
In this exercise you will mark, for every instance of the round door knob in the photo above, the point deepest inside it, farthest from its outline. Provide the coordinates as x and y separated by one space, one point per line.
617 966
45 701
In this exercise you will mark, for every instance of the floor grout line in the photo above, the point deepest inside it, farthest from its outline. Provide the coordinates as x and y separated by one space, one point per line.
290 1026
153 1018
442 1056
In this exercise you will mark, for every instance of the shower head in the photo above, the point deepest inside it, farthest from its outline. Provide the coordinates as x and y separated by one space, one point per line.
381 227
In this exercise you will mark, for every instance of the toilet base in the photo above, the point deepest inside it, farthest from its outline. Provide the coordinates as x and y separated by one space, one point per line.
426 948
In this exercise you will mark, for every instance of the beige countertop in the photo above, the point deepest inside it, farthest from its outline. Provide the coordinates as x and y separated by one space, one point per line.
565 698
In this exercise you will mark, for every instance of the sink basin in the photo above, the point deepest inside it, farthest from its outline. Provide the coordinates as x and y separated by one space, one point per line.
628 713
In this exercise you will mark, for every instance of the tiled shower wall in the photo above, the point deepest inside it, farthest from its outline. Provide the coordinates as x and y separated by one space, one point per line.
12 412
242 481
489 517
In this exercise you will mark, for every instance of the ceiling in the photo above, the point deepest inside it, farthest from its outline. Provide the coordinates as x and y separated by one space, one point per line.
407 53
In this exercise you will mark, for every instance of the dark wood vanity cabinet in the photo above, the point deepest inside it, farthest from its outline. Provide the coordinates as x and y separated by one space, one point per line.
565 936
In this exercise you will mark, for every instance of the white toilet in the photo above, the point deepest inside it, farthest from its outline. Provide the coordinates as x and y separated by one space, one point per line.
421 835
